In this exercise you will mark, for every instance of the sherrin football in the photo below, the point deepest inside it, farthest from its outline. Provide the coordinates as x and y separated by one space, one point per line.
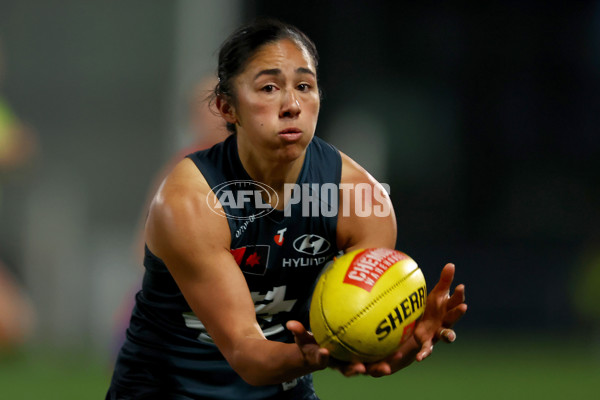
366 303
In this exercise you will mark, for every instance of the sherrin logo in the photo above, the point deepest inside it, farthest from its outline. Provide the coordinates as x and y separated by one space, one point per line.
413 303
235 195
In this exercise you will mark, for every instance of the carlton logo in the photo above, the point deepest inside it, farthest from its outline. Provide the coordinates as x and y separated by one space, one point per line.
242 199
311 244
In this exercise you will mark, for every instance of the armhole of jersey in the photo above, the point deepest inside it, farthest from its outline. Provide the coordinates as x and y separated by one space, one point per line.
330 155
211 174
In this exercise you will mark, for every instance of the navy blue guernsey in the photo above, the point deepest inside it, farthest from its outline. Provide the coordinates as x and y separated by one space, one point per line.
280 253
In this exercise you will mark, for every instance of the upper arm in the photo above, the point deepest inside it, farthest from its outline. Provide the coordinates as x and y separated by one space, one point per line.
194 243
366 216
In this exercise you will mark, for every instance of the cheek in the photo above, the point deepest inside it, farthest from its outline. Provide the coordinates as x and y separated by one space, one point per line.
254 113
261 115
259 108
313 107
262 109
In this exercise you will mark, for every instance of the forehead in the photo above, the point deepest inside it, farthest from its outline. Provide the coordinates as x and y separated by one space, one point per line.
279 54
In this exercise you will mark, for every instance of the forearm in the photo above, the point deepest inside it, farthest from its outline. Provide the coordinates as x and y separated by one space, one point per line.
265 362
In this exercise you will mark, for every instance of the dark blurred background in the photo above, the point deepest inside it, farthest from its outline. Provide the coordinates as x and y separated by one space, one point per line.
487 117
483 119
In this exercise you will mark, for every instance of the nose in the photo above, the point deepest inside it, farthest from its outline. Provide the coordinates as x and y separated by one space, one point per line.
290 106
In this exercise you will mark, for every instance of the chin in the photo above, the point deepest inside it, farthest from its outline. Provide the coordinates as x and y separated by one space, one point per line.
292 151
290 154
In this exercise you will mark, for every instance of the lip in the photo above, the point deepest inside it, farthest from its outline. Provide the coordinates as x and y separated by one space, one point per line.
290 134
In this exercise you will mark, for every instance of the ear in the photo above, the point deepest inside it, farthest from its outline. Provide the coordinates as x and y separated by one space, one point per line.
227 110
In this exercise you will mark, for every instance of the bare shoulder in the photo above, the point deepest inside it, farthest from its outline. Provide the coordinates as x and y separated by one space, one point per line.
183 185
181 192
179 216
366 217
354 173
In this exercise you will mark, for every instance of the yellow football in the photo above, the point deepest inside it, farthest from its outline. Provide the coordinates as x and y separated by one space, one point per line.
366 303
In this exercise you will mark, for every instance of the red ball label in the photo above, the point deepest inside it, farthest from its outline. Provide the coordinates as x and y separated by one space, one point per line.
369 265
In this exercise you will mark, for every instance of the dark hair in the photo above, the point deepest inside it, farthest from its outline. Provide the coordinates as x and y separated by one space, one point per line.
242 44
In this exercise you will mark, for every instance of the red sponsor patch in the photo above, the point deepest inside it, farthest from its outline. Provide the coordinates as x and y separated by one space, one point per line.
278 239
238 254
252 259
369 265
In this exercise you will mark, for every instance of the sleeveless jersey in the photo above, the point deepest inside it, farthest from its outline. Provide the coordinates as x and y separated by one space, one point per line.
280 252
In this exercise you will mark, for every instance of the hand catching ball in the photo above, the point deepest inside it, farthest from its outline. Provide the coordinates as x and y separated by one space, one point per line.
366 303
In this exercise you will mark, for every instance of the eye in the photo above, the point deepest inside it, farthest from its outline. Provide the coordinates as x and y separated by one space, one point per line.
268 88
303 87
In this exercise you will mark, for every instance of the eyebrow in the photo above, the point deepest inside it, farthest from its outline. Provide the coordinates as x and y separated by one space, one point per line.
277 71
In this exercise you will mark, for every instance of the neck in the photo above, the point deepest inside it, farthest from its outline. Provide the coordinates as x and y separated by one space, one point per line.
273 172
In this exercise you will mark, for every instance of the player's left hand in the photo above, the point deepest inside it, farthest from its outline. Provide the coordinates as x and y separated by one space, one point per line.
442 311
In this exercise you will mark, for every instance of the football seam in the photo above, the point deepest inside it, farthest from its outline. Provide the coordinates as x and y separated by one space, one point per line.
369 306
322 311
331 335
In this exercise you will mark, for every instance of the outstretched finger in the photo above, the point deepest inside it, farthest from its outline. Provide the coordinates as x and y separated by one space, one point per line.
457 298
453 315
446 278
426 351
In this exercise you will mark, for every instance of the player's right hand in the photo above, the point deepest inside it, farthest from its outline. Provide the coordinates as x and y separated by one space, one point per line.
319 357
314 356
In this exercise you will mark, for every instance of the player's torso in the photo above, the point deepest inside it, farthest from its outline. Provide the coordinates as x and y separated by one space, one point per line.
281 259
280 253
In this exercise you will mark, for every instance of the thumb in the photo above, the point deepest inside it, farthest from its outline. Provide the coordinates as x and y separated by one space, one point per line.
299 331
314 354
